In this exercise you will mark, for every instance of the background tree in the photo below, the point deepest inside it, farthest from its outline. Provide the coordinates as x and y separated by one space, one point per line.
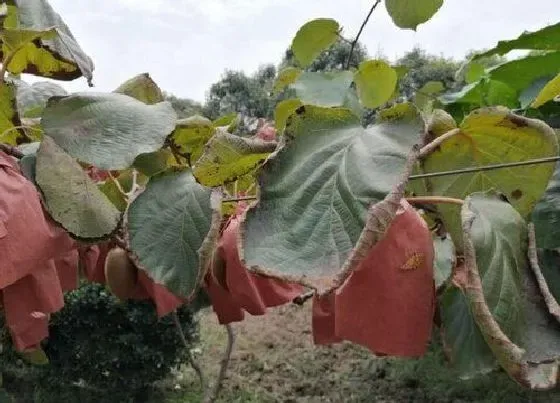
237 92
184 107
334 58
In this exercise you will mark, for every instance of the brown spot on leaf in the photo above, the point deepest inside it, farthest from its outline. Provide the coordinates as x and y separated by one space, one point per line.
517 194
518 121
300 110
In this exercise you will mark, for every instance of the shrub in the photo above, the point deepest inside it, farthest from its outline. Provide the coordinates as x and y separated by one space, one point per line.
101 350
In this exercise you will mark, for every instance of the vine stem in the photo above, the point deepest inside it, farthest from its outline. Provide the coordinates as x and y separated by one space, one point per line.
355 41
434 200
212 395
190 357
432 146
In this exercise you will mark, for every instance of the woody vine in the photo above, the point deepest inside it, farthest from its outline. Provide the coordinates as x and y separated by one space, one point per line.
448 200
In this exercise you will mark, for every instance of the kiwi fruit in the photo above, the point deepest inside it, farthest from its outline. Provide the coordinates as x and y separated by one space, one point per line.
441 122
121 274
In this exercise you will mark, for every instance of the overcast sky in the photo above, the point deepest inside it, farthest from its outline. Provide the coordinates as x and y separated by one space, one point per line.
186 44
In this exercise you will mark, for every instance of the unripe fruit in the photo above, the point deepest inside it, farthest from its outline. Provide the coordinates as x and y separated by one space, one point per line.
121 274
441 122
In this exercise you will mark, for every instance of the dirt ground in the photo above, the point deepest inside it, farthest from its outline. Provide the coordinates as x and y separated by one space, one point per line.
274 360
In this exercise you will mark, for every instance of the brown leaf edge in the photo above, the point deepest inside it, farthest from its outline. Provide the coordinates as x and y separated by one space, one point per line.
379 218
205 252
508 354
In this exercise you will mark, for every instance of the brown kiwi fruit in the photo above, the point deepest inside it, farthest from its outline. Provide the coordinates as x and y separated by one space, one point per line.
121 274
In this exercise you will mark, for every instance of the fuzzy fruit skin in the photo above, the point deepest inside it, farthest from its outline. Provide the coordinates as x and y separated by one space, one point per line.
121 274
441 122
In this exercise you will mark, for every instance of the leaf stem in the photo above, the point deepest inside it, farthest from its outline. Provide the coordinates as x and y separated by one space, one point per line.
7 60
434 200
355 41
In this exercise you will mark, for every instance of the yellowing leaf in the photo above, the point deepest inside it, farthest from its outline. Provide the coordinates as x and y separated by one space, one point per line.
191 134
228 157
283 111
285 78
143 88
493 136
312 38
409 14
550 91
375 81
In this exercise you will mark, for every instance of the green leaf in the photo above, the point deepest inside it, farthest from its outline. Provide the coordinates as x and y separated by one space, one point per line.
316 189
59 57
312 38
323 88
283 111
493 136
505 82
14 39
444 259
167 225
547 38
114 194
225 120
409 15
191 134
375 81
151 164
474 72
529 94
227 157
499 236
550 91
546 215
285 77
9 118
71 197
32 99
143 88
424 97
107 130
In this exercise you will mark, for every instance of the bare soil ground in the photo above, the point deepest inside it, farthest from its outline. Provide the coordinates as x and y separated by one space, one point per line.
275 360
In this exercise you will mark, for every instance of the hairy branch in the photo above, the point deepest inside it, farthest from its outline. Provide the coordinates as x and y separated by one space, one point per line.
212 395
355 41
432 146
434 200
550 301
190 357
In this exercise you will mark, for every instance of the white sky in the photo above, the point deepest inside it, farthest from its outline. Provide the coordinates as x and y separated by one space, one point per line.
186 44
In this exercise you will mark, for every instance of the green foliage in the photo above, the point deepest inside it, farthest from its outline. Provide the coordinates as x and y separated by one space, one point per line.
316 190
312 38
101 350
115 128
314 187
406 14
71 197
375 82
165 235
547 38
325 89
504 137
